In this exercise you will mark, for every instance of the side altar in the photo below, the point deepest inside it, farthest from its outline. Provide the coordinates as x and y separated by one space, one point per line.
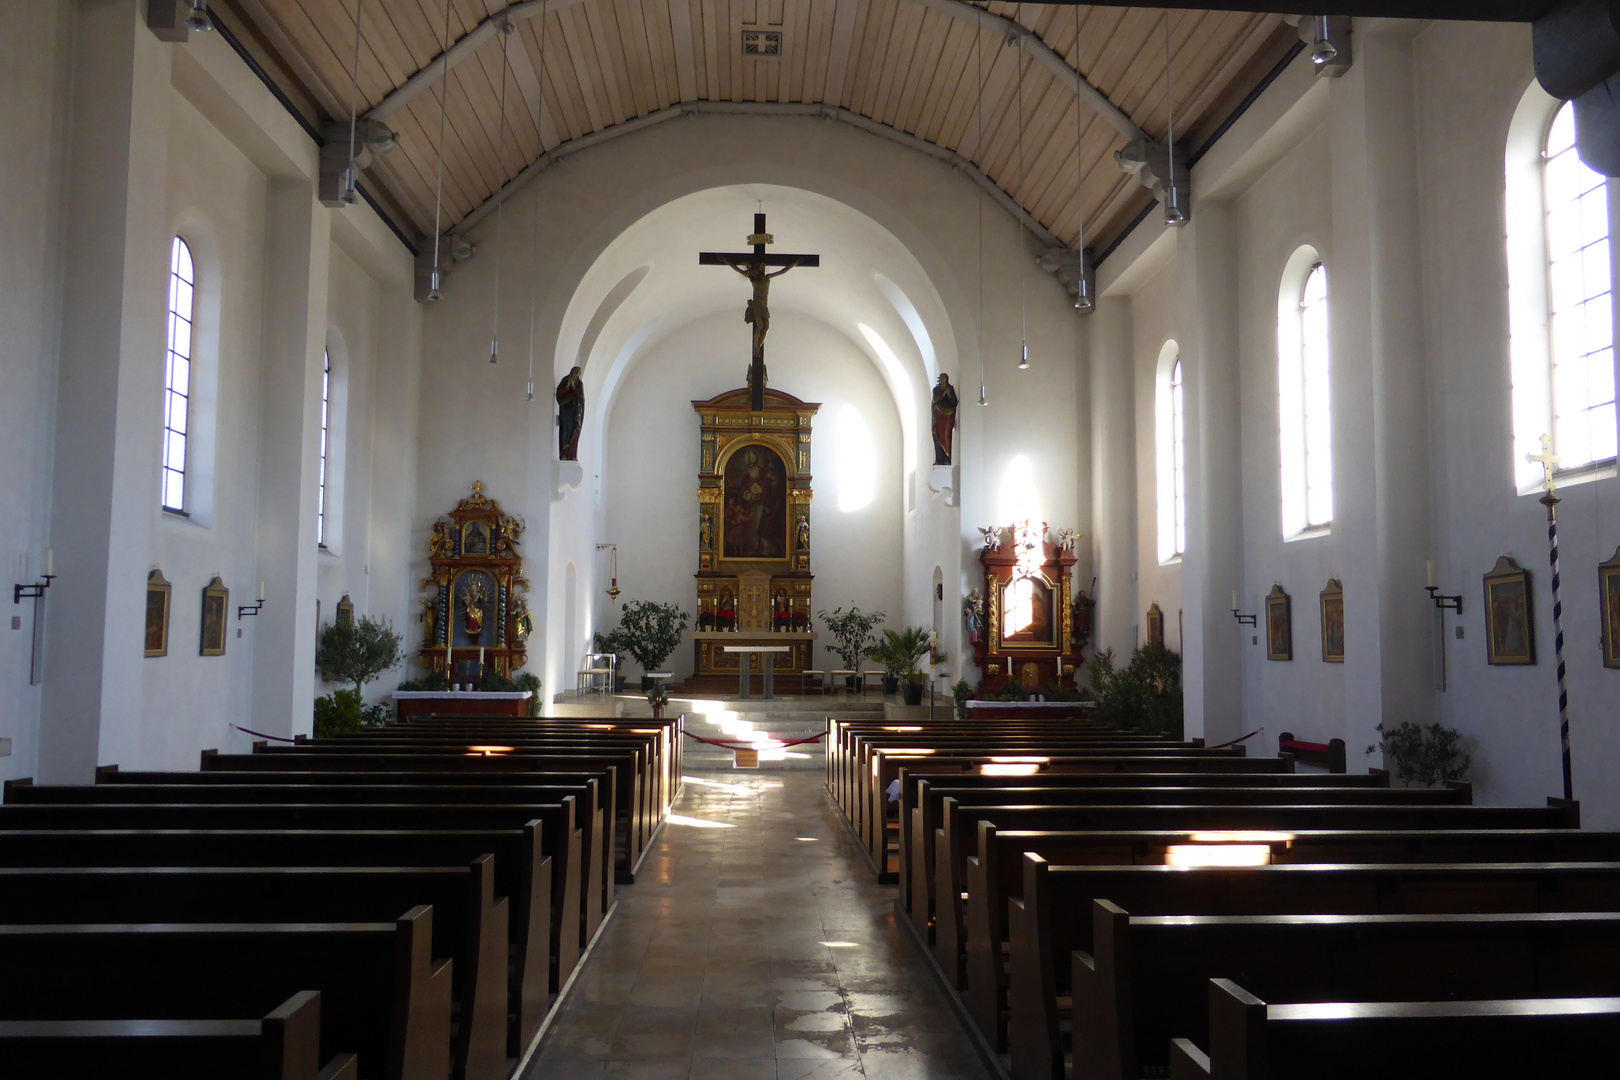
477 612
754 490
1023 627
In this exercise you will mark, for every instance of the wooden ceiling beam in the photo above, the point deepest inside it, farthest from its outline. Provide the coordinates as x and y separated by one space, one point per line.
1474 11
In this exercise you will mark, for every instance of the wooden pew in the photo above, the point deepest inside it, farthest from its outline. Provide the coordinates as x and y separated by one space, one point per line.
283 1045
1528 1038
1145 982
520 871
469 922
383 995
556 827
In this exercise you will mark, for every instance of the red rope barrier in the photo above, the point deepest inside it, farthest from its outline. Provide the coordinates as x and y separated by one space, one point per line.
262 735
1234 742
737 744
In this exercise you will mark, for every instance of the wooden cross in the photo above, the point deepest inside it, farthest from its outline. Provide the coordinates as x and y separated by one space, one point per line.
1547 460
752 265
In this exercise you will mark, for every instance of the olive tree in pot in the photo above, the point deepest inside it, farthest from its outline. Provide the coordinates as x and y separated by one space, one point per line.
852 632
650 632
353 651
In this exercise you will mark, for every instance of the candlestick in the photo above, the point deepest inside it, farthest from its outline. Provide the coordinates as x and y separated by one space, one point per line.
50 563
1234 600
261 590
1432 579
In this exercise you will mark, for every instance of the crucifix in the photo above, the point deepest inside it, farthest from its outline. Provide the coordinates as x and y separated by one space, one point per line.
1548 460
752 265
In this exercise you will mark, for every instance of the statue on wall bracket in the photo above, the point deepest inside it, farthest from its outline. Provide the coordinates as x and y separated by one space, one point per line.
944 419
570 415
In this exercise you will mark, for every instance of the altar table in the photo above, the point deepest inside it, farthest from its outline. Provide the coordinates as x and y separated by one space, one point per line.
461 703
767 661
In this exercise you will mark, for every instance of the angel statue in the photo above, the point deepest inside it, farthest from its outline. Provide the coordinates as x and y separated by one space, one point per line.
992 537
441 545
1066 539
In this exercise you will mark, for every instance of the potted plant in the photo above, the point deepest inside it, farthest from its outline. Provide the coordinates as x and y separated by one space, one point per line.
852 632
885 653
658 697
1144 696
1427 754
651 631
353 651
960 694
907 648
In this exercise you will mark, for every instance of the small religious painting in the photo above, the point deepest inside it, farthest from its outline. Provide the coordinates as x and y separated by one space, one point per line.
755 522
1027 613
1333 622
157 614
475 538
345 611
216 599
1155 624
1510 636
1609 606
1279 625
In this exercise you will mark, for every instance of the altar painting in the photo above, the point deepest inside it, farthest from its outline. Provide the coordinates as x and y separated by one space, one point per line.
1027 613
755 505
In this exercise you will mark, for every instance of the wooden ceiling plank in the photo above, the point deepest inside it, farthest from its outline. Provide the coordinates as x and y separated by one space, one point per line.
661 42
913 91
335 24
631 28
942 83
962 126
576 34
795 47
884 41
866 53
690 15
280 38
818 36
906 63
536 113
559 96
608 52
846 14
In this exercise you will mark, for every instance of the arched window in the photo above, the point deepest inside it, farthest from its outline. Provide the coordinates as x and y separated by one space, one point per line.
1170 442
1560 300
1304 397
1580 300
177 374
326 437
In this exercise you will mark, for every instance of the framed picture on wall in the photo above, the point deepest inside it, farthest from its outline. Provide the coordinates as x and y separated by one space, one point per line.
157 614
1333 622
1279 625
216 600
1510 634
1609 607
1155 625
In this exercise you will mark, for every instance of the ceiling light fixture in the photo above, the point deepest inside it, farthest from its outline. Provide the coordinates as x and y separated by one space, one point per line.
504 28
1324 51
978 150
1023 313
199 19
1174 213
348 195
534 231
438 189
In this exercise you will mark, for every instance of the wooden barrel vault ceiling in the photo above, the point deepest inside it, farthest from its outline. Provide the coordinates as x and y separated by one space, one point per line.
575 68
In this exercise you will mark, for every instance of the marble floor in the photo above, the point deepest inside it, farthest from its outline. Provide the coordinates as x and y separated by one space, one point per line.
755 945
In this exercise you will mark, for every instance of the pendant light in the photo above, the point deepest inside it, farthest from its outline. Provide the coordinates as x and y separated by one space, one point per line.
534 229
347 196
1023 314
978 148
438 189
1324 52
199 19
504 28
1174 214
1083 300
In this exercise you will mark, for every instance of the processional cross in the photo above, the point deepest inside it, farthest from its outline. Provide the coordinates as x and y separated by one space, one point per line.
1548 460
752 265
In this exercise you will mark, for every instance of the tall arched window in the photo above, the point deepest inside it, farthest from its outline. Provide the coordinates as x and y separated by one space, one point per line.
1561 304
1170 441
1304 397
177 374
1580 300
326 438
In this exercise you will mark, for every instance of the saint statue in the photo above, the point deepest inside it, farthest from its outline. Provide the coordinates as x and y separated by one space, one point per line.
944 419
571 412
706 532
804 533
430 622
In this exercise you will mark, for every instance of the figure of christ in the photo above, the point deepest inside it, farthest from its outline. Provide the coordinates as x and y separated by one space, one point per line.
758 313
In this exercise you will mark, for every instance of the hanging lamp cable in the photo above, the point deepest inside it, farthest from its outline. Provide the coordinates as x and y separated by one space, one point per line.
1173 213
534 231
348 197
978 150
1082 296
438 187
505 28
1023 253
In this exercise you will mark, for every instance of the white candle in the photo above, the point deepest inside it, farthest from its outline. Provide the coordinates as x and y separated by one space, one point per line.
480 658
50 563
1234 600
261 590
1433 581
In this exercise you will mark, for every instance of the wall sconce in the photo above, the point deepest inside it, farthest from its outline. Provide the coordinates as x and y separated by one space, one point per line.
251 609
1441 600
1246 620
37 589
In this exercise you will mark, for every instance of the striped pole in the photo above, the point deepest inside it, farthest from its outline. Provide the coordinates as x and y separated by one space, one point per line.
1550 500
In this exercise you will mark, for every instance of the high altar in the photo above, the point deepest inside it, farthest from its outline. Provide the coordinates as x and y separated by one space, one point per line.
753 578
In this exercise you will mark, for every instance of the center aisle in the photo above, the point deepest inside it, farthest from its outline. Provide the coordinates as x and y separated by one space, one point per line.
753 946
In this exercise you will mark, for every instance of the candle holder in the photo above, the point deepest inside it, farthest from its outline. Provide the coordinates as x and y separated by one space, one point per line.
245 610
1442 601
32 592
1246 620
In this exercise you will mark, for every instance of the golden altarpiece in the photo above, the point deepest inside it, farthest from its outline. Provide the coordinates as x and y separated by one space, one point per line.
753 577
478 609
1028 634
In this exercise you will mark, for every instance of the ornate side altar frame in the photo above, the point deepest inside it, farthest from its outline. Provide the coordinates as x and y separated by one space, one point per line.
478 608
1034 655
765 595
